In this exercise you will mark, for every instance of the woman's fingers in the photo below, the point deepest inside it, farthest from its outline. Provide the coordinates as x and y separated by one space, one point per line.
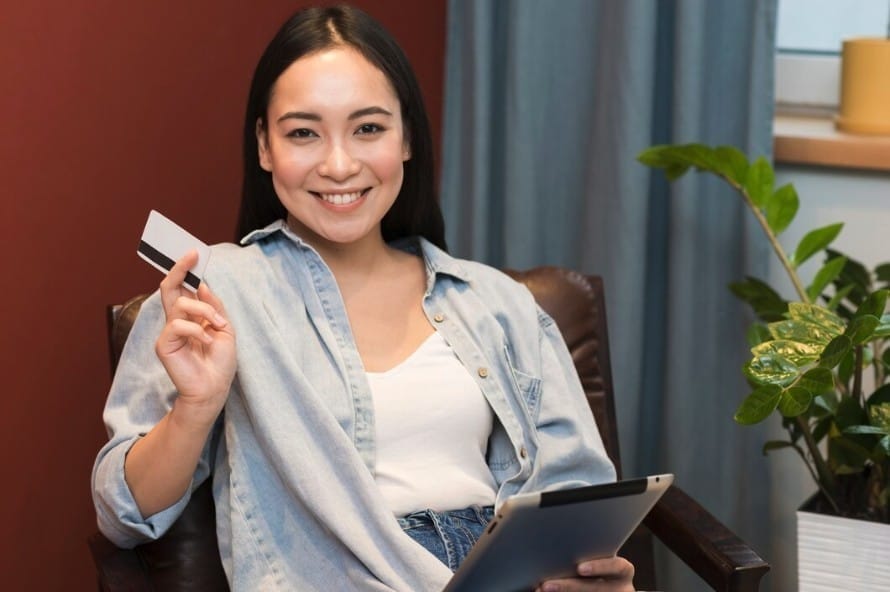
207 296
195 310
171 285
176 334
609 567
612 574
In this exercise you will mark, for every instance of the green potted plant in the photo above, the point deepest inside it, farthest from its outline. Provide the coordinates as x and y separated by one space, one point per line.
820 360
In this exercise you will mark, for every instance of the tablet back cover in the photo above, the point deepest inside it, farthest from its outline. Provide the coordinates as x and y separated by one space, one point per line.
541 536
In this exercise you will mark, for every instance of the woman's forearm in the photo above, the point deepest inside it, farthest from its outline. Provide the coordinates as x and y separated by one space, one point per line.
159 467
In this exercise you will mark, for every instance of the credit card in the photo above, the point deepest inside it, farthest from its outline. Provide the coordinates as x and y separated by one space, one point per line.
164 242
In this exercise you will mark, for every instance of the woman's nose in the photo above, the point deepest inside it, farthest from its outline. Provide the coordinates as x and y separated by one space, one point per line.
339 164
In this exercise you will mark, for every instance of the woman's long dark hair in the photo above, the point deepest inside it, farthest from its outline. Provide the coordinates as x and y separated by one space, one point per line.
416 209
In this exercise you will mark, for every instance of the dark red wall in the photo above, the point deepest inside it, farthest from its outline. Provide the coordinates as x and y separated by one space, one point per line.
110 109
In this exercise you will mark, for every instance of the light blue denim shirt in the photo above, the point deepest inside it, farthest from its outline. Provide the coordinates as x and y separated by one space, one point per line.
292 455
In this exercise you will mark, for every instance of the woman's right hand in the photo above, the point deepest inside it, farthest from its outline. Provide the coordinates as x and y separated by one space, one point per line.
196 346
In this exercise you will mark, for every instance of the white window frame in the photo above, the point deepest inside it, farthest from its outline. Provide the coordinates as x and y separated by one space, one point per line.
807 82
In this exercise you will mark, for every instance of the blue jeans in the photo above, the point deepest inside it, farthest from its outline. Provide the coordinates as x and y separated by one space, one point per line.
448 535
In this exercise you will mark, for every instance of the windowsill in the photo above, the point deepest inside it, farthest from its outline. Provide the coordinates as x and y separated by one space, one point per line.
814 140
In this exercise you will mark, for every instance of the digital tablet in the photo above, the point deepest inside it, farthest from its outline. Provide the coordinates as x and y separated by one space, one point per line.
539 536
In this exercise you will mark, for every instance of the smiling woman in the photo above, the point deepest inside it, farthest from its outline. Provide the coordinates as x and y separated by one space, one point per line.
334 143
267 381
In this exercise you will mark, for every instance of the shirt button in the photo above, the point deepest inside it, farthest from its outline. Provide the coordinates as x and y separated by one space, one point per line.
483 372
523 452
439 317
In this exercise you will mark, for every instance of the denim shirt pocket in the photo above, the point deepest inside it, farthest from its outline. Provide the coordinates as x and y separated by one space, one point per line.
527 386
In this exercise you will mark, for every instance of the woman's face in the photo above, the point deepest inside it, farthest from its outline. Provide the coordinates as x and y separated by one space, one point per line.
335 146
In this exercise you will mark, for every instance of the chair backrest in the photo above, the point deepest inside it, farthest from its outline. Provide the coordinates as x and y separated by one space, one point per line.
186 557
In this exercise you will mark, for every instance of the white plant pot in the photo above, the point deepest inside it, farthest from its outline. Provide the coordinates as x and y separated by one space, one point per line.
836 554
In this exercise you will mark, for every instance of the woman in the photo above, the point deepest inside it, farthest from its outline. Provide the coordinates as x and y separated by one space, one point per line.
346 383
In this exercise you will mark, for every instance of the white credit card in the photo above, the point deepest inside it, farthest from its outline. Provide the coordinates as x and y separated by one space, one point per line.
164 242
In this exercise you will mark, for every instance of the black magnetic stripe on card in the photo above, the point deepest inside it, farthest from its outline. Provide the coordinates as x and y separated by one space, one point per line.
167 263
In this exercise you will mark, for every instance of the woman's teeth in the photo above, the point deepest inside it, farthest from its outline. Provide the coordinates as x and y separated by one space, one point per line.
340 199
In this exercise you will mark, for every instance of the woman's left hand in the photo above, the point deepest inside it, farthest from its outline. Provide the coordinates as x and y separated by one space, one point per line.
613 574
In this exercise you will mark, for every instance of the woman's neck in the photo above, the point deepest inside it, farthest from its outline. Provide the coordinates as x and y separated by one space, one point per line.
351 261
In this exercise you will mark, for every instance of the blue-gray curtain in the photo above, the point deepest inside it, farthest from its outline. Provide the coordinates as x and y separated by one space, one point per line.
547 105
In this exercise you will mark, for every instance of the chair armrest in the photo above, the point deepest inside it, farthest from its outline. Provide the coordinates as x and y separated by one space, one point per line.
117 569
715 553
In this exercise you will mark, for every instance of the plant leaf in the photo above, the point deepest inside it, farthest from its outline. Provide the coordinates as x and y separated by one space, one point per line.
846 368
794 401
797 353
828 400
839 295
771 370
827 274
849 413
880 396
883 328
817 381
757 333
882 272
771 445
764 301
864 429
821 428
873 305
819 315
758 405
759 182
814 241
676 159
801 331
662 157
835 351
854 273
879 416
732 163
861 328
781 208
885 446
848 456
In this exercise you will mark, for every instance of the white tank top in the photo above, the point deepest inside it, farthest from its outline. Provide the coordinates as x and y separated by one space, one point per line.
433 425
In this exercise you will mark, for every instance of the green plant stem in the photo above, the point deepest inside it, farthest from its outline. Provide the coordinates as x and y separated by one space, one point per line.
857 375
809 466
774 241
826 481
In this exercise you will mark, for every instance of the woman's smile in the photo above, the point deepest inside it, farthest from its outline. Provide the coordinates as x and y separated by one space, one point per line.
342 199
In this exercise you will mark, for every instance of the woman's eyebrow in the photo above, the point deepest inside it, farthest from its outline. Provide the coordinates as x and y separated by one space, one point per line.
300 115
316 117
369 111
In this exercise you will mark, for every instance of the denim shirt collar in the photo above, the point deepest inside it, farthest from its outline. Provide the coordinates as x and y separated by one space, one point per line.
437 261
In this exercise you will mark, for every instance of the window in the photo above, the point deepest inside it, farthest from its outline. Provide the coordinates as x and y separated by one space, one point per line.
809 37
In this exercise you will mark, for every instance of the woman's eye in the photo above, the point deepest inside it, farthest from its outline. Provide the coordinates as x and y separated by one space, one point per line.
369 128
301 133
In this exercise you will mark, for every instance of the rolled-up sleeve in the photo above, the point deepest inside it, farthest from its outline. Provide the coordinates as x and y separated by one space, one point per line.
141 395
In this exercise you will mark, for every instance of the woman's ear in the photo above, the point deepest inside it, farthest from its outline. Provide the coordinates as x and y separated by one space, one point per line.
262 143
406 150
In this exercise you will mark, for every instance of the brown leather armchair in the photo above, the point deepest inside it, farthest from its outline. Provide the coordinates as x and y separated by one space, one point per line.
187 558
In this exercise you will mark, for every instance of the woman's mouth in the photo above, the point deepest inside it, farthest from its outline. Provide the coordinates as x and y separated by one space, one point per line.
341 199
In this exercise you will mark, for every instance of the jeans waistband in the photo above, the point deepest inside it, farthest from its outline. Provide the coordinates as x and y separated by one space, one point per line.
481 514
